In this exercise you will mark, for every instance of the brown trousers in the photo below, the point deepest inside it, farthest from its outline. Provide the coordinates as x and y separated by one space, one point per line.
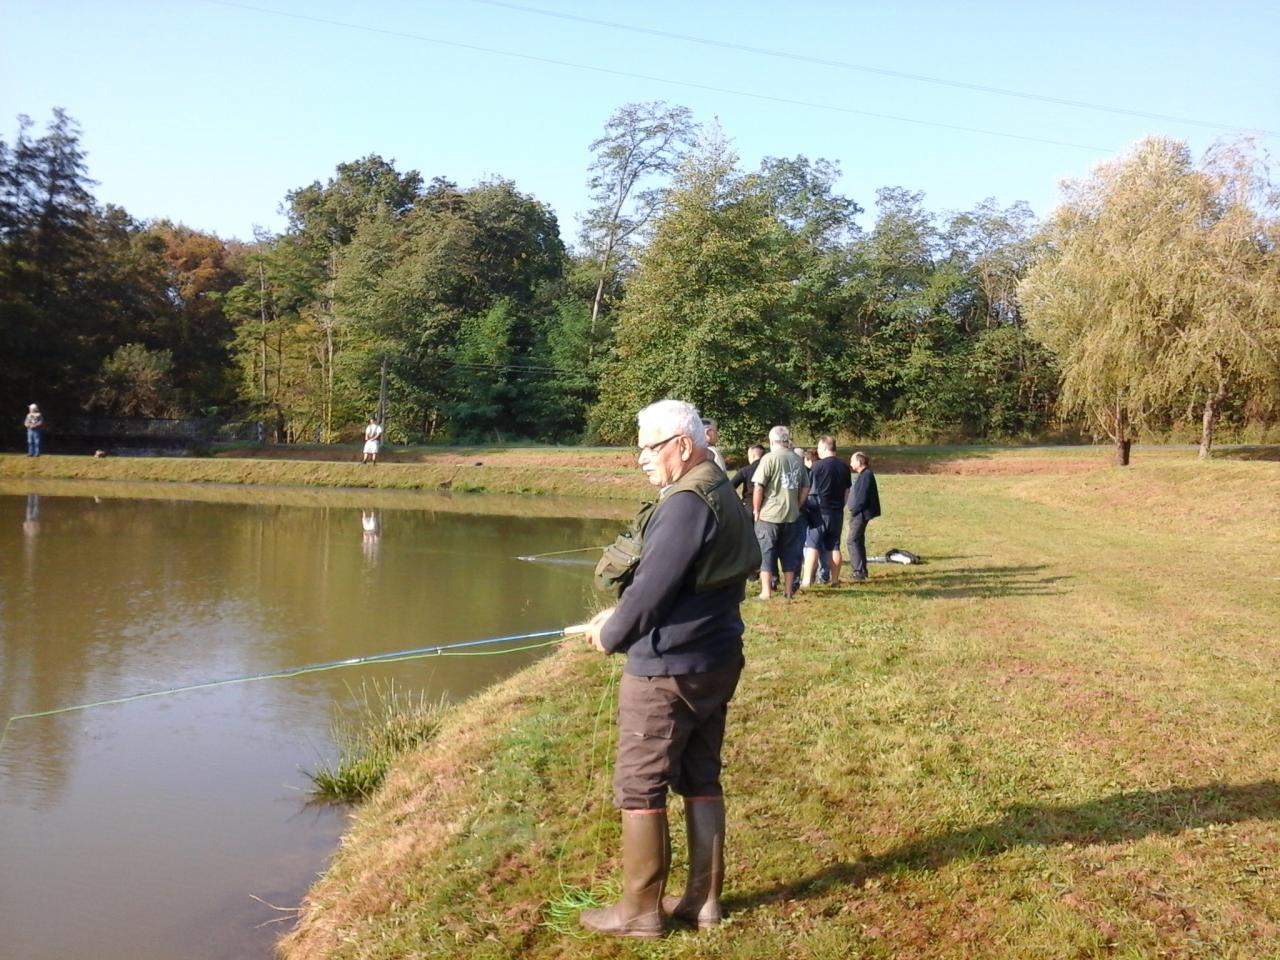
670 732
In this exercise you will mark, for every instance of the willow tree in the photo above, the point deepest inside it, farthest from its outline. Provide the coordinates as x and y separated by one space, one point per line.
1154 289
1231 347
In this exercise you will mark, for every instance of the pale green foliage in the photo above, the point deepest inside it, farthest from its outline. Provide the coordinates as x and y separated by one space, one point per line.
1158 287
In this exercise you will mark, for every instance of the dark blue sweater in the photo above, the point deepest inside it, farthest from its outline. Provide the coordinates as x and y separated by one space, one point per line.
665 628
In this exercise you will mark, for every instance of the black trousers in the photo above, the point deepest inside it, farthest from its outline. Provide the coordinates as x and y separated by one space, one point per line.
858 545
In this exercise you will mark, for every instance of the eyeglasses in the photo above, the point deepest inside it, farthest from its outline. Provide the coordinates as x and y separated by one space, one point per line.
652 448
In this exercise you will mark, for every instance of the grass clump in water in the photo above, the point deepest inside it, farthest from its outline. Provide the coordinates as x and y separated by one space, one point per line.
383 725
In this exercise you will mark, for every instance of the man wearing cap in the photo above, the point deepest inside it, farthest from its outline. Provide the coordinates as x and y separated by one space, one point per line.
34 424
680 571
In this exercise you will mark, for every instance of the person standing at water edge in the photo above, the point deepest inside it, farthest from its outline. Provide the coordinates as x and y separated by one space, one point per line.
372 434
34 424
864 506
680 571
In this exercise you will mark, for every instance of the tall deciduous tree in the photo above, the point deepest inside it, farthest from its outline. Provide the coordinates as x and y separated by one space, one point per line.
642 144
705 318
1156 288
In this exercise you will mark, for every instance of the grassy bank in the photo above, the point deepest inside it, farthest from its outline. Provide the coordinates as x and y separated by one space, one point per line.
457 472
1059 738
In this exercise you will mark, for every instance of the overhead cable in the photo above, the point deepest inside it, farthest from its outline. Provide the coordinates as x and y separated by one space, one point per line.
785 101
880 71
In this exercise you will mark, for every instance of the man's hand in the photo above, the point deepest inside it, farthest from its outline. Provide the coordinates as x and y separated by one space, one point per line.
595 626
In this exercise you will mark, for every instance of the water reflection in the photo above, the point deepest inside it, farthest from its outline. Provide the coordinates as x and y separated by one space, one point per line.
125 596
371 527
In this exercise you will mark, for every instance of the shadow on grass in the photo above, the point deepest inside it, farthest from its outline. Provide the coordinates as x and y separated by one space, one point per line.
1024 580
1251 452
1120 818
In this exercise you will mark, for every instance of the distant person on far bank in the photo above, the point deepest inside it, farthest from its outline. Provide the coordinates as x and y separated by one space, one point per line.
372 439
829 482
864 506
713 437
35 426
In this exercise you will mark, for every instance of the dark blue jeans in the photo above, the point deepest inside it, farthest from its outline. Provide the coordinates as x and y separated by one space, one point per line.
33 443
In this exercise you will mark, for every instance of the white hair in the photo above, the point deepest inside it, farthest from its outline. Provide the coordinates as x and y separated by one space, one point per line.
780 435
674 418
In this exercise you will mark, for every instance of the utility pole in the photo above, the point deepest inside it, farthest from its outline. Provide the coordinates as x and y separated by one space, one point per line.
382 399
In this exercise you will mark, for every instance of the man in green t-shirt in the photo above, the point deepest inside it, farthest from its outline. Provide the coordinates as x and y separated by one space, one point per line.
781 486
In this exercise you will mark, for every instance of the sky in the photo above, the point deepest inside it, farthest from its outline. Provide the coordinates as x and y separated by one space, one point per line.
208 112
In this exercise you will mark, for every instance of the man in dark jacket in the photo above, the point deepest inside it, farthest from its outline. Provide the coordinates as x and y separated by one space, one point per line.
681 570
741 478
864 506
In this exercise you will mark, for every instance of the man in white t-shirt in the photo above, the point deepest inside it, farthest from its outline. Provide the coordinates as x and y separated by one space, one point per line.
372 435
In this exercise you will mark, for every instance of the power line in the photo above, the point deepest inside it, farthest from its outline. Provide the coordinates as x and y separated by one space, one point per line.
785 101
880 71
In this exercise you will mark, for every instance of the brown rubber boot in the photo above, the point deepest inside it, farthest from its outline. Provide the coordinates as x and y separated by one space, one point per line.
646 855
700 905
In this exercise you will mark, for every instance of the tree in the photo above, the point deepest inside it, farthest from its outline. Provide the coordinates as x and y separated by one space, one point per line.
46 245
641 142
705 318
1158 285
135 382
414 289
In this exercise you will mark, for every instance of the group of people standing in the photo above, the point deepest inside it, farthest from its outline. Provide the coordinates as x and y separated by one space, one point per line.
798 500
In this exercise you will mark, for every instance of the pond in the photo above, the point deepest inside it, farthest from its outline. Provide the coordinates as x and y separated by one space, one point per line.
176 826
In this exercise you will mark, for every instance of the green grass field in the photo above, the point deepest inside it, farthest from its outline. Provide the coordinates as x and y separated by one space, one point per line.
1058 738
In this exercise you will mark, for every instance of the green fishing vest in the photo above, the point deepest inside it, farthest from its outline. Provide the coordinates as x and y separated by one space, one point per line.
733 555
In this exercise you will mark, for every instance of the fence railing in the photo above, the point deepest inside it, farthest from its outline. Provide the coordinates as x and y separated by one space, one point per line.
158 432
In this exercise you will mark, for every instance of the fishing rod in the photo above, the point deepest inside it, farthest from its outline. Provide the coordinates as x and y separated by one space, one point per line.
546 638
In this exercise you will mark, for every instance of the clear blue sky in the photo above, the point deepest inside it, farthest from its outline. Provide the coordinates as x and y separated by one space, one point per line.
208 113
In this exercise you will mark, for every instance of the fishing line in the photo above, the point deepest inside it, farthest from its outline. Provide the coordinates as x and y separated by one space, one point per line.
557 553
546 638
562 911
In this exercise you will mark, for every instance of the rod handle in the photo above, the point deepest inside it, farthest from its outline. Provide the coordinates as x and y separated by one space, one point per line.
576 629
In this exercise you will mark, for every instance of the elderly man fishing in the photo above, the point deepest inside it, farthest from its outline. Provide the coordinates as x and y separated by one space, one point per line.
680 570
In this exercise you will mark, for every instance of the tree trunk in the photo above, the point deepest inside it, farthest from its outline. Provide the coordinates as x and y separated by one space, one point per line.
1212 404
1121 435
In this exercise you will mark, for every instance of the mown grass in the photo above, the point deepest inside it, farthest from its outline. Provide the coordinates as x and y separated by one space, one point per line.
568 479
1058 738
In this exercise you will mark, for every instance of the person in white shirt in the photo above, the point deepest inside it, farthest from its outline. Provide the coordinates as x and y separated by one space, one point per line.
372 436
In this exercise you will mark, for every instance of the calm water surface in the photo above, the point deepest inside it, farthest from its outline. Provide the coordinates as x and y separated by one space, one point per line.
146 830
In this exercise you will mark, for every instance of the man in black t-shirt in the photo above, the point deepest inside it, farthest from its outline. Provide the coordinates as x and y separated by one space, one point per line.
742 476
830 480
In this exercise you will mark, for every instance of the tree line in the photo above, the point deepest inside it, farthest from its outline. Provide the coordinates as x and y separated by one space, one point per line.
1148 301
